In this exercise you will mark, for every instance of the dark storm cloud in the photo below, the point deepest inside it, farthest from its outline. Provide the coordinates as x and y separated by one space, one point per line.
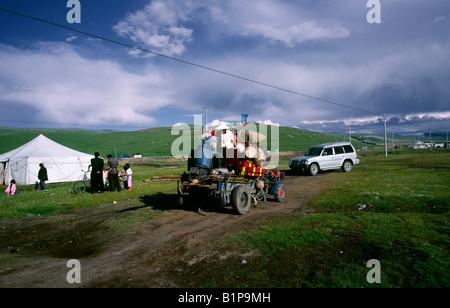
316 49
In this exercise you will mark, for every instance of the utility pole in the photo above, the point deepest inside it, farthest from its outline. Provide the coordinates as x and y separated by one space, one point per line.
385 135
430 140
206 117
392 142
350 133
446 146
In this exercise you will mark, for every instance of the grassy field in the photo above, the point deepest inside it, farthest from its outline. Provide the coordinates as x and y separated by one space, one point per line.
60 196
405 228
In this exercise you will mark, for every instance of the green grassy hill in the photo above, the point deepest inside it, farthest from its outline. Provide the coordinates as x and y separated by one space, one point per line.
149 142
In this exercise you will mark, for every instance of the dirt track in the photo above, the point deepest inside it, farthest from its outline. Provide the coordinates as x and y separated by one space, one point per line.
176 249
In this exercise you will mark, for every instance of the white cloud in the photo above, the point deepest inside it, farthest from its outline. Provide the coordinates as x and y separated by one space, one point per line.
71 38
295 34
58 85
214 122
268 122
278 22
158 27
165 26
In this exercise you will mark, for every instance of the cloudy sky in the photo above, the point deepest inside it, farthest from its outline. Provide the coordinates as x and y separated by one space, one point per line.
313 64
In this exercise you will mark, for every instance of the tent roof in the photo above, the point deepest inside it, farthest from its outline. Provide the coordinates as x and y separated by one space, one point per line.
42 146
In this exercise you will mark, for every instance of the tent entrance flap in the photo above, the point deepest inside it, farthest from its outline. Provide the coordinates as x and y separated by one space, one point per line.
2 173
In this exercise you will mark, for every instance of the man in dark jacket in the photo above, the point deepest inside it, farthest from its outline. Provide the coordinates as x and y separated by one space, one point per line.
42 176
97 165
113 174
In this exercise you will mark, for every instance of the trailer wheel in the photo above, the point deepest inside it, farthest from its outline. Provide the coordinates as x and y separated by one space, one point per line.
241 199
280 194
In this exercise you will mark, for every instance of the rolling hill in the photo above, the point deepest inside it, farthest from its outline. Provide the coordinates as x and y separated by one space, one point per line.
149 142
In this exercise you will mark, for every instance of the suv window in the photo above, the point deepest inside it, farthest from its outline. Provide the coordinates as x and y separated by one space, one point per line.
314 151
328 151
338 150
348 149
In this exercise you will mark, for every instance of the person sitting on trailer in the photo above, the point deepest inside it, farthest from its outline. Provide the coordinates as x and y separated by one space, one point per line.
227 144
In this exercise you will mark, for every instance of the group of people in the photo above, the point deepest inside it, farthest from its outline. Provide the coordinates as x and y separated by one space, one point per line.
233 152
41 185
98 169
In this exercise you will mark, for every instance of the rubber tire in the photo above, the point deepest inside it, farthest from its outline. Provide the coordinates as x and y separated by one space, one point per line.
314 169
280 195
241 199
347 166
79 187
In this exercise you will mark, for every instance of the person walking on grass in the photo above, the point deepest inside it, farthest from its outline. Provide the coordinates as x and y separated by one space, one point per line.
42 176
113 174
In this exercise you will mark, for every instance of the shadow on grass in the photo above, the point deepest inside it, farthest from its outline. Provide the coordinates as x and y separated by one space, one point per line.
167 202
159 201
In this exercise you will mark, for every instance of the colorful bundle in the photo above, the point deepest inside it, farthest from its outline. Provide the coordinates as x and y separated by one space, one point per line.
250 169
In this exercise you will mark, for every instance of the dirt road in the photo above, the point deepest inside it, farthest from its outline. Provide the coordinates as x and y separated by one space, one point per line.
175 249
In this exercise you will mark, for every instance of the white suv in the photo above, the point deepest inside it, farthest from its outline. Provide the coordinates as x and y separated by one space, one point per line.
326 156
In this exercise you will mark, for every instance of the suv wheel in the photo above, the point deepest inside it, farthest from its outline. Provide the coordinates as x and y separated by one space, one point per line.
314 169
347 166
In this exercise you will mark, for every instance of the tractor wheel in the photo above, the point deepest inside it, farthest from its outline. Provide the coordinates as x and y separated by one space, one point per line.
280 194
241 199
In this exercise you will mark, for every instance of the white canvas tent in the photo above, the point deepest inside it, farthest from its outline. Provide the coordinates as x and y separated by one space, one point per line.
22 164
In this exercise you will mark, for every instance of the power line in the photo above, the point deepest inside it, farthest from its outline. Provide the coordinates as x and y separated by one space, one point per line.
189 63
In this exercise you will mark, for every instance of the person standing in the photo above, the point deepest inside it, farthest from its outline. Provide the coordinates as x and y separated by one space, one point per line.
97 165
113 174
235 135
128 173
227 144
42 176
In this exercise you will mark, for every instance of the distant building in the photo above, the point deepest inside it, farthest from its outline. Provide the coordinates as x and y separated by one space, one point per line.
419 145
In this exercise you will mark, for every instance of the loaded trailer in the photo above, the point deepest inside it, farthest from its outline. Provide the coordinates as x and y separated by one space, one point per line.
225 190
239 188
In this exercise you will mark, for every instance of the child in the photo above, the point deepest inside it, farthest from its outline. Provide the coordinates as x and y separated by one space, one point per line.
11 189
128 182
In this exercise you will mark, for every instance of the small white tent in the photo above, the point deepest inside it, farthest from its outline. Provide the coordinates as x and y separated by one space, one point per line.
63 164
